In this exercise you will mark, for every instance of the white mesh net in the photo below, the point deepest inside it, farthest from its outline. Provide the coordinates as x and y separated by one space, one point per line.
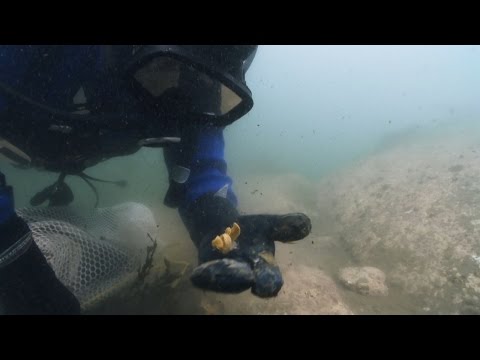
93 252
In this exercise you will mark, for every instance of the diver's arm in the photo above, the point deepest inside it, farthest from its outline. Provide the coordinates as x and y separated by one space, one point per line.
197 167
28 285
199 184
209 203
242 255
209 168
14 60
11 230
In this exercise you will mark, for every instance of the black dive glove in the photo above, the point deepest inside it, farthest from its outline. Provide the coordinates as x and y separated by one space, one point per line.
28 285
251 262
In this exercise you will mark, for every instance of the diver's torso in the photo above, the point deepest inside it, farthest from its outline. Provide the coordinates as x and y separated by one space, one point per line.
74 110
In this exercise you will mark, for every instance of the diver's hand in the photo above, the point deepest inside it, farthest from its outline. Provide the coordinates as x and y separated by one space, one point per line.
250 262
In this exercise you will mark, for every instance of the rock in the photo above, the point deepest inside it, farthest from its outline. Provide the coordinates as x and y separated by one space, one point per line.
364 280
422 229
307 291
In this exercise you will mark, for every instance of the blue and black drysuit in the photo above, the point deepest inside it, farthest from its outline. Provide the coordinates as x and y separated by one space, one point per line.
52 76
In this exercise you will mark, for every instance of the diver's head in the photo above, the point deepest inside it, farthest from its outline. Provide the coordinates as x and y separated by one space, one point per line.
205 83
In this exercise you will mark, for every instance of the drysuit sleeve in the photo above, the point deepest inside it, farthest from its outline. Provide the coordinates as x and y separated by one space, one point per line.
197 167
13 63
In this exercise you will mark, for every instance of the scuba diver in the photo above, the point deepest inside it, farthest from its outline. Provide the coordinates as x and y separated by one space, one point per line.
65 108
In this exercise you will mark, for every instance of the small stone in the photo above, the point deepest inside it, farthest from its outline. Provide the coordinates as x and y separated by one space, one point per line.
364 280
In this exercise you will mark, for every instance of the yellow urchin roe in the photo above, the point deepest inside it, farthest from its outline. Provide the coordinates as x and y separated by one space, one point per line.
226 242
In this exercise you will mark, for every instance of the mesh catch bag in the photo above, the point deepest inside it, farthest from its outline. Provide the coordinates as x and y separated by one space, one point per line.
93 252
